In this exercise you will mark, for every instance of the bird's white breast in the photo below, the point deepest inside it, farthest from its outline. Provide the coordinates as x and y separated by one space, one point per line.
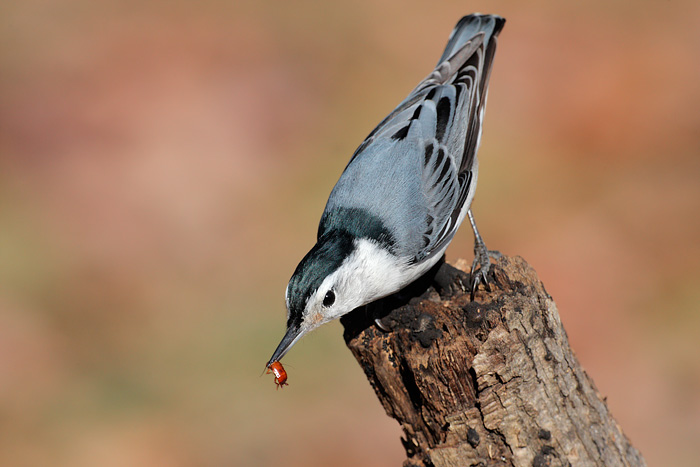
380 272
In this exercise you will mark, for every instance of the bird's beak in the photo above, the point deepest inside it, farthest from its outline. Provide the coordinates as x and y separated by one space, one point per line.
290 338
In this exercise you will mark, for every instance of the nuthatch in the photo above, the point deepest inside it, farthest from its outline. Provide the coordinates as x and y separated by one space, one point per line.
404 193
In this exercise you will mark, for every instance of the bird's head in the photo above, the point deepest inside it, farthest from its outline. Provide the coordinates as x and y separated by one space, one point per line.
339 274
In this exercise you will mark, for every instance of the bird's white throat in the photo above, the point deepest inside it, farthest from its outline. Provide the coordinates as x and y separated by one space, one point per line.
371 272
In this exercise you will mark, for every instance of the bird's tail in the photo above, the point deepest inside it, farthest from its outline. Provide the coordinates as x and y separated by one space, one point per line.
468 27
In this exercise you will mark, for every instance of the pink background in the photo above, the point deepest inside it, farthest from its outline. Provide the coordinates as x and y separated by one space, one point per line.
163 167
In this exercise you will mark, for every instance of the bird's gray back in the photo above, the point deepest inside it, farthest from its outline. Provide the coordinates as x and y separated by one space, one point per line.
414 173
383 184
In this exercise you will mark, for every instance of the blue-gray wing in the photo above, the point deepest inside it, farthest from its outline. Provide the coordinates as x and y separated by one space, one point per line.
416 171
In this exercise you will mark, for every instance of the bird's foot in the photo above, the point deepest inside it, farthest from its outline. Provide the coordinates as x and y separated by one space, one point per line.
481 267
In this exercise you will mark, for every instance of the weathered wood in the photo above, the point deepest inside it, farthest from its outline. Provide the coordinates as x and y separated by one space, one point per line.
489 382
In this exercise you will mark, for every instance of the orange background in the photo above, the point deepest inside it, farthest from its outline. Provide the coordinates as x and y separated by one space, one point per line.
163 167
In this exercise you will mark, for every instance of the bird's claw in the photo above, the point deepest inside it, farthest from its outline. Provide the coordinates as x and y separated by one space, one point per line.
382 325
481 267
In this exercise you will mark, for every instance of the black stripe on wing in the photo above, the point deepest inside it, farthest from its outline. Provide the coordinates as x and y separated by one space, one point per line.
433 244
424 91
443 193
470 84
401 134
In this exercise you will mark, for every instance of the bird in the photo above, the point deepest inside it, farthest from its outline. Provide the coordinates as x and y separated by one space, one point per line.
403 195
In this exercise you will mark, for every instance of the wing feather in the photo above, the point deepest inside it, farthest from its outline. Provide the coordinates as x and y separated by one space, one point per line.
435 130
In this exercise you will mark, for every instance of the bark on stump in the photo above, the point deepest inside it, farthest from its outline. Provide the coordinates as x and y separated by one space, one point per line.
489 382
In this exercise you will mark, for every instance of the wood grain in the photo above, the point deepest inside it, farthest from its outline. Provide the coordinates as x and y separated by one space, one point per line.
489 382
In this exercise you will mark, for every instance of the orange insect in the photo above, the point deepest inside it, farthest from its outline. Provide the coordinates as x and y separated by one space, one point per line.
280 374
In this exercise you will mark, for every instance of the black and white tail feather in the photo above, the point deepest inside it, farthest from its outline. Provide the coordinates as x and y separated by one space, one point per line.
404 193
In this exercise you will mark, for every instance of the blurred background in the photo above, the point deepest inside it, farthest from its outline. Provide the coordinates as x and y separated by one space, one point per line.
164 165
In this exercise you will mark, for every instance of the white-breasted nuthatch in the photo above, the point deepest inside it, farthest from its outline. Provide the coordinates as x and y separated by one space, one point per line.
404 193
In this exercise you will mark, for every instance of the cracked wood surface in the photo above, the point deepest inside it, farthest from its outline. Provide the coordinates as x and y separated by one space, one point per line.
491 382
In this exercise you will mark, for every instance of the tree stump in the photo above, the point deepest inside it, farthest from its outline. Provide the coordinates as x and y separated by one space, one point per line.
489 382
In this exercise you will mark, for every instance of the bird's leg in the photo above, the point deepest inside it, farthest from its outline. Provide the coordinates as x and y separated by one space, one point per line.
481 263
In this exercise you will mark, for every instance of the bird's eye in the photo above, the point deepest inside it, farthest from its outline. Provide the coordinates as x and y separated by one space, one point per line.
329 299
